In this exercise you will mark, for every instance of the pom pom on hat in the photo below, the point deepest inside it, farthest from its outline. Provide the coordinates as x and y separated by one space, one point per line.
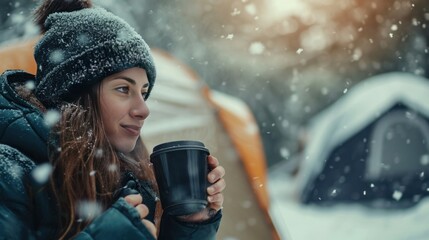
81 48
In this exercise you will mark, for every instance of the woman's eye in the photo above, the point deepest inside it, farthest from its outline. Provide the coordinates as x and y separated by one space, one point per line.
144 94
122 89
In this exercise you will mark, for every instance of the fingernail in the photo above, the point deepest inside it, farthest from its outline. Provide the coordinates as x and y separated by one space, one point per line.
210 189
212 177
210 198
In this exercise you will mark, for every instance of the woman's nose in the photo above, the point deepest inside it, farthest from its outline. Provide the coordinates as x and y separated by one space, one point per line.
139 109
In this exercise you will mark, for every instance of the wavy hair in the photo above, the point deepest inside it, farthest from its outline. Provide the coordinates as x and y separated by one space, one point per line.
87 168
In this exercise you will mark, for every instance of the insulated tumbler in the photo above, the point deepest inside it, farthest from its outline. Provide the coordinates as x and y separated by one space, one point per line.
181 173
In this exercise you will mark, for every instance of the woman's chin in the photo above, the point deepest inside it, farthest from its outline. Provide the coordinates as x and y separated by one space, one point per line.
125 148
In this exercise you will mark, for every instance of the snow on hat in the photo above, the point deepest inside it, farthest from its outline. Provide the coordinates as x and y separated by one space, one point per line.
80 48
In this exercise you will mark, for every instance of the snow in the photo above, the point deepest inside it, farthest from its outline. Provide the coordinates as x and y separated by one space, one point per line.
42 172
30 85
280 9
88 209
352 222
51 117
13 165
256 48
234 105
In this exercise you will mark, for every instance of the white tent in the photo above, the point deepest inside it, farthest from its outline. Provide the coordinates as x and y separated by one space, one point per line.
362 105
369 103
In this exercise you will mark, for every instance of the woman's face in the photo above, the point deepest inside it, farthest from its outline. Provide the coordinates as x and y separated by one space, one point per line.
123 108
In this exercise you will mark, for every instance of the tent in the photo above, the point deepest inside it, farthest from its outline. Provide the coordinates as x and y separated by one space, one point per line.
183 107
371 146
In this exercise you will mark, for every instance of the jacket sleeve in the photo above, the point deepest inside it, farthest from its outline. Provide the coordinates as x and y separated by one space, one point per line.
18 219
121 221
15 209
171 228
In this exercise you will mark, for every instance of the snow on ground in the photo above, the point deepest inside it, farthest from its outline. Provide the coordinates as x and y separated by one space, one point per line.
342 222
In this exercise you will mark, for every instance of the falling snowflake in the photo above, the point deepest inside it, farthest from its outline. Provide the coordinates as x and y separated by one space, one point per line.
88 209
284 152
251 9
51 117
113 167
30 85
424 160
256 48
235 12
99 153
397 195
57 56
42 173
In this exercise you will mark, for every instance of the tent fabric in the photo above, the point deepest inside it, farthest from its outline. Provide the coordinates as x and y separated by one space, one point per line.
183 107
18 55
341 130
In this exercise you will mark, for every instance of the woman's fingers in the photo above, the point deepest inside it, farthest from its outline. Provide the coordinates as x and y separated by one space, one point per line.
214 191
216 174
212 162
143 210
215 201
215 196
134 199
150 227
217 187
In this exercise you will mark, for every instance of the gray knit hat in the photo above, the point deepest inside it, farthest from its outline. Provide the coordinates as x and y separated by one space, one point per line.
81 48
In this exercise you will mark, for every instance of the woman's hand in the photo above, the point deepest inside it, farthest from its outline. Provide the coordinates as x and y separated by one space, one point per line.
136 200
214 192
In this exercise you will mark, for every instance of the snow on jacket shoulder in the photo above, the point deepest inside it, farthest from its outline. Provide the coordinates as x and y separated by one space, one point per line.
21 124
15 208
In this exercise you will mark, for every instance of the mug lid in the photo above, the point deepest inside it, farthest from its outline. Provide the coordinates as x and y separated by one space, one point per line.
179 145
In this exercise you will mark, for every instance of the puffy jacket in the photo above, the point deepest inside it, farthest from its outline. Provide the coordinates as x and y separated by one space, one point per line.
27 210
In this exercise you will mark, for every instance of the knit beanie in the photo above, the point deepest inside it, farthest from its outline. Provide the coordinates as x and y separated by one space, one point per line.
81 48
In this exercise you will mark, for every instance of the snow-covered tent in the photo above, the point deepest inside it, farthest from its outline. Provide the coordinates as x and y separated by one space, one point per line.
371 146
183 107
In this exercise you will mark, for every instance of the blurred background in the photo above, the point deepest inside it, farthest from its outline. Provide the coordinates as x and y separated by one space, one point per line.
290 61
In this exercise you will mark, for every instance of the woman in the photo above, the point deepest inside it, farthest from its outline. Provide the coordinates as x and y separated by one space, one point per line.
95 72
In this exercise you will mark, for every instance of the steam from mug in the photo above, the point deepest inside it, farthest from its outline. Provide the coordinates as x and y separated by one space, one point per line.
181 173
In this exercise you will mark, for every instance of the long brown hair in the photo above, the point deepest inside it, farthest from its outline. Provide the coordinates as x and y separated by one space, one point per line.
86 166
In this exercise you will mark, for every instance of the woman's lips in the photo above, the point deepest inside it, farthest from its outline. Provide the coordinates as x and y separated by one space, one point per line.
132 130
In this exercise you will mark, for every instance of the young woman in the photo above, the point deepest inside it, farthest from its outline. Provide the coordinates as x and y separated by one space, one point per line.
94 76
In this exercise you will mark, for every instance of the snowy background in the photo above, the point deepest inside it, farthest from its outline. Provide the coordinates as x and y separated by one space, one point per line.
288 60
343 221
